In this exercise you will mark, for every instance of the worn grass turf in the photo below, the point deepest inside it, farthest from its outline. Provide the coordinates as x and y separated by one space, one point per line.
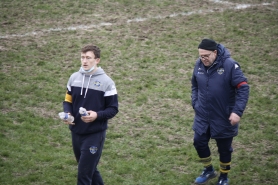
149 49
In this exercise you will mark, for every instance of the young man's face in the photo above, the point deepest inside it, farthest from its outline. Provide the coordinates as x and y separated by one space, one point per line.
88 60
207 57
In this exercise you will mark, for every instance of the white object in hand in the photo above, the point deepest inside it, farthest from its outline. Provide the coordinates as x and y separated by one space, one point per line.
66 116
83 111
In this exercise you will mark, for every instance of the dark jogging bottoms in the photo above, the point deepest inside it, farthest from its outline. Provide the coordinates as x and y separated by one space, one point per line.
87 150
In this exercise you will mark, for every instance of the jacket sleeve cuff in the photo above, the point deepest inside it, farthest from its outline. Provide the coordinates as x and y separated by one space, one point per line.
239 113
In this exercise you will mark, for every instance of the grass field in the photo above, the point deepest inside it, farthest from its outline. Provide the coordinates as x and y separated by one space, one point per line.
149 48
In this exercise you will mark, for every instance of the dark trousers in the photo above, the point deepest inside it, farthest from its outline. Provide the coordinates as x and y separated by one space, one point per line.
87 150
224 146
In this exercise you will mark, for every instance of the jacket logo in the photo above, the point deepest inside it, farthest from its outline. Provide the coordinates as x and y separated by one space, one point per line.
97 83
220 71
200 71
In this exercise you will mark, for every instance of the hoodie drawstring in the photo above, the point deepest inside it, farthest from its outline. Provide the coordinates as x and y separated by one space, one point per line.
82 84
87 86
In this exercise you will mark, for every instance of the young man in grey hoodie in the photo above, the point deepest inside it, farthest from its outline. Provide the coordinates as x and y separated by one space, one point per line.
93 90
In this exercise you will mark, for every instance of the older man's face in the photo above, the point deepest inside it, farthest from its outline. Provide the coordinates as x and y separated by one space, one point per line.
207 57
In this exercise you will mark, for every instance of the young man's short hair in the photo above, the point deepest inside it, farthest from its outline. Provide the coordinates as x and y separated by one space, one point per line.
92 48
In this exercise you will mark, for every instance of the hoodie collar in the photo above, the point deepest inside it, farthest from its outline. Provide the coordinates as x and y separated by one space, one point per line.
99 71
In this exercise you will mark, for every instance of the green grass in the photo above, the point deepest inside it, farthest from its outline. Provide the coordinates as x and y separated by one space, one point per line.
151 62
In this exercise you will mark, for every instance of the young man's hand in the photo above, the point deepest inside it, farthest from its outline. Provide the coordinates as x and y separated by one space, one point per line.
68 122
90 118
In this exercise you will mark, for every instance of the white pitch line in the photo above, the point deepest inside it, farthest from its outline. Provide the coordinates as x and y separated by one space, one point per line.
239 6
85 27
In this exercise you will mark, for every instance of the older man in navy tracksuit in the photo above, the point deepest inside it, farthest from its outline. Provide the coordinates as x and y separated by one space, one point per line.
219 96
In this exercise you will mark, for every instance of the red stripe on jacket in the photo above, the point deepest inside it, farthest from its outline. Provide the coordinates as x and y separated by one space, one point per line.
240 84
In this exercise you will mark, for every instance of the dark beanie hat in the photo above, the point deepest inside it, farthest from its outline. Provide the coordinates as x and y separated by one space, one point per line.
208 44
